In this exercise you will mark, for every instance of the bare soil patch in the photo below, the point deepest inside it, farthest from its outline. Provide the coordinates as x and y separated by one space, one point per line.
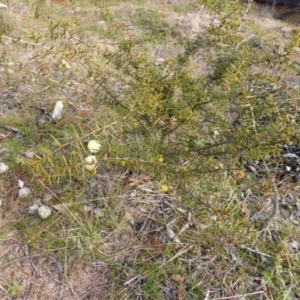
44 277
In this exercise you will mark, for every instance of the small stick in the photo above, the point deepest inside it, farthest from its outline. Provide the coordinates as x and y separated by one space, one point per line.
275 212
255 251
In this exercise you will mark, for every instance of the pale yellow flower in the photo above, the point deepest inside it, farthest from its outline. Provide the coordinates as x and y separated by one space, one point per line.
91 163
94 146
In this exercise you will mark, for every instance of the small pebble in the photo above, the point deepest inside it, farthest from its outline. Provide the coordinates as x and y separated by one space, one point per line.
24 192
213 218
170 233
295 245
21 184
216 133
32 210
124 237
248 192
44 211
87 208
59 267
29 155
3 151
159 61
47 197
99 212
71 259
56 115
3 168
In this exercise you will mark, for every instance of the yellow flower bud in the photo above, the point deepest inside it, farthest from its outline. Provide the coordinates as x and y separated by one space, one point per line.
183 169
240 174
164 188
160 158
135 125
122 163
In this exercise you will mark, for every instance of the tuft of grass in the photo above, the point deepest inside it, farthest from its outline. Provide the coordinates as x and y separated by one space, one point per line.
153 23
7 22
185 8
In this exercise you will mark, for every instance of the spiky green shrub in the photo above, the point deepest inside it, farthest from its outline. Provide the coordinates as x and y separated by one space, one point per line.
239 106
165 119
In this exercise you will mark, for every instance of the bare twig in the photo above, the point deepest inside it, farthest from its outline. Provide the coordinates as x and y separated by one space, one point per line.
275 212
10 128
245 14
244 41
240 296
255 251
21 41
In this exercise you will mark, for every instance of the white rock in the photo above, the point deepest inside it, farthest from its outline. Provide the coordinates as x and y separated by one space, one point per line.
32 210
99 212
124 237
216 133
3 5
295 245
47 197
29 155
44 211
159 61
213 218
24 192
21 184
290 155
170 233
248 192
3 168
56 114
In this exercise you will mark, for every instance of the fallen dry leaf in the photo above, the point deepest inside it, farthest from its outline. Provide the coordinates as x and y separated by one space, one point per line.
61 207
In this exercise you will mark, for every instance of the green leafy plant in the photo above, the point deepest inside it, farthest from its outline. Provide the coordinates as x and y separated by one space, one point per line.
14 289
